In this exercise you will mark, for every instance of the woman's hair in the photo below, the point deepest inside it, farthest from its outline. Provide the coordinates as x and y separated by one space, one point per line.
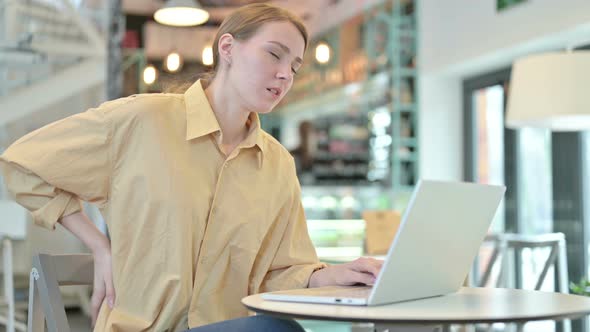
242 24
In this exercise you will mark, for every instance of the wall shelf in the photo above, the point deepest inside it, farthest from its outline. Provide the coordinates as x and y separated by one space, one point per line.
371 86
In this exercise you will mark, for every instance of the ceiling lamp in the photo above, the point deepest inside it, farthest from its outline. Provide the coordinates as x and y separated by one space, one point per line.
173 62
149 75
181 13
322 53
207 56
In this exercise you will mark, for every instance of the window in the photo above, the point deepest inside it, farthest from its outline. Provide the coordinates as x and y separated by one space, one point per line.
488 112
521 160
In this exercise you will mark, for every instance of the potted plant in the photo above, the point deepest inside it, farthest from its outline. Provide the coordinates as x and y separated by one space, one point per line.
582 288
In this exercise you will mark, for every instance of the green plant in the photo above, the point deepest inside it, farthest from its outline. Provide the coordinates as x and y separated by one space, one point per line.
582 288
503 4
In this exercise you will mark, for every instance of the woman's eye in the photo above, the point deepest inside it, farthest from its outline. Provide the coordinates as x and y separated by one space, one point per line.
276 56
294 71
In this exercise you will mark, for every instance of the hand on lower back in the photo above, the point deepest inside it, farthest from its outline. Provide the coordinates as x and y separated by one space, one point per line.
103 290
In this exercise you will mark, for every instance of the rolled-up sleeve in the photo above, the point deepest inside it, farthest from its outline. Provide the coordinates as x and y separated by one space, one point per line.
296 258
49 171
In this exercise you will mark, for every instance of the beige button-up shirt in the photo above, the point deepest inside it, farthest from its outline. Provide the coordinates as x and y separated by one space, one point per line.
192 230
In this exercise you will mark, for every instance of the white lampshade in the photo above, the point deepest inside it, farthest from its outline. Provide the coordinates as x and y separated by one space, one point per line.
551 91
181 13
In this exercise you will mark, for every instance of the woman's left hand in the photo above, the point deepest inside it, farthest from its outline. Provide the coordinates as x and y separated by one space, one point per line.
362 270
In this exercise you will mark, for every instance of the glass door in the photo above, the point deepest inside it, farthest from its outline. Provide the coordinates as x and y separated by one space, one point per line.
520 160
488 153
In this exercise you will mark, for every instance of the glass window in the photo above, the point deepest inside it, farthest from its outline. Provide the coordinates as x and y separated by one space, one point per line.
488 109
535 182
535 201
586 190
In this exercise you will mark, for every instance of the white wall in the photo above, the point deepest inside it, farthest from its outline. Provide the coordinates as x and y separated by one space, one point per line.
457 32
440 128
459 39
81 101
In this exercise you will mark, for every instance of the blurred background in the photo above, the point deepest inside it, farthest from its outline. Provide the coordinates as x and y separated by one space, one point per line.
391 91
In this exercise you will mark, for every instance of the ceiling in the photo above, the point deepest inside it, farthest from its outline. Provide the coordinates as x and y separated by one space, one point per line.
160 40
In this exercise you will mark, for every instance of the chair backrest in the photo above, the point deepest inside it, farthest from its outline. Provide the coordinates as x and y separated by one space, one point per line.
48 273
503 243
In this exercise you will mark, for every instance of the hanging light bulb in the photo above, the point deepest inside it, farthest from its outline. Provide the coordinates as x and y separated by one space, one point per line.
150 74
322 53
181 13
173 62
207 56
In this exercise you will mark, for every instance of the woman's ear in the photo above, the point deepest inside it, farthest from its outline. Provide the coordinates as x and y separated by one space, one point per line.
226 42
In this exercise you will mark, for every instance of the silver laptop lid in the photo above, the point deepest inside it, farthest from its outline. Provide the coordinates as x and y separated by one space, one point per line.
437 241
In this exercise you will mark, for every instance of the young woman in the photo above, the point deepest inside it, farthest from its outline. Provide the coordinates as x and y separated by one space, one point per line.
202 206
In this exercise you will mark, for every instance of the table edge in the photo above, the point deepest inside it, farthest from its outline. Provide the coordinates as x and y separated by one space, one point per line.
559 317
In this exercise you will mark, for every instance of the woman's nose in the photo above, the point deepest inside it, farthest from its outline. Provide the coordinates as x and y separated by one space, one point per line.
284 73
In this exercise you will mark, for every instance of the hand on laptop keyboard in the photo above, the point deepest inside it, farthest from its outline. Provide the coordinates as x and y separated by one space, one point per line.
360 271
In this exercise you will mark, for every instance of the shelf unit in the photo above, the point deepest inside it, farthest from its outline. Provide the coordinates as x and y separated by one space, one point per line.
375 71
398 23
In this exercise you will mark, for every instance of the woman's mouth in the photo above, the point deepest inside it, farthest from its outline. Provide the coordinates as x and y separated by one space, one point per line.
276 92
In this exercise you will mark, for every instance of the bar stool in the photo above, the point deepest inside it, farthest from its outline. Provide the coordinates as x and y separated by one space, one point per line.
505 244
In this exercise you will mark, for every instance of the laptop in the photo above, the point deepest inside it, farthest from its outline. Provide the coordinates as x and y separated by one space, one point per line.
437 241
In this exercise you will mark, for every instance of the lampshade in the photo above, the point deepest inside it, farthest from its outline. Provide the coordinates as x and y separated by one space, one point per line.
181 13
551 91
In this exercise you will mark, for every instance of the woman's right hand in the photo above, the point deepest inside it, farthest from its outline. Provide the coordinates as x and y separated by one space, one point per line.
84 229
103 281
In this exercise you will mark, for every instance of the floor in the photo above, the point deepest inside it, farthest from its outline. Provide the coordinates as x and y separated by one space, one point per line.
78 321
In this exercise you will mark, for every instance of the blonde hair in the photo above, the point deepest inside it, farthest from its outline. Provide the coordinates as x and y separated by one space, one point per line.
242 24
245 21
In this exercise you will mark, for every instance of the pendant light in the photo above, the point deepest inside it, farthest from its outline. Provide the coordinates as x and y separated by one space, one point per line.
207 55
322 53
181 13
173 62
150 74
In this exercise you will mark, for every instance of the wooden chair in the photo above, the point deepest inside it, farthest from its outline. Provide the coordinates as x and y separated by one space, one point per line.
45 301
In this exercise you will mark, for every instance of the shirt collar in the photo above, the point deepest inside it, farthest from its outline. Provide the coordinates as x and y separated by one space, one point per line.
201 121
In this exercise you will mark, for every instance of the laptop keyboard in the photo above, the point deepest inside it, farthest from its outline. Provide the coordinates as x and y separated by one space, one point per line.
346 292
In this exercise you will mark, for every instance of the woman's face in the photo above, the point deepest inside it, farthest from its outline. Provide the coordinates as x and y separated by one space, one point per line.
262 67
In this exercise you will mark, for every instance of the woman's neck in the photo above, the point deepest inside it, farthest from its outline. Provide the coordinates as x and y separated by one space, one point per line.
231 116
